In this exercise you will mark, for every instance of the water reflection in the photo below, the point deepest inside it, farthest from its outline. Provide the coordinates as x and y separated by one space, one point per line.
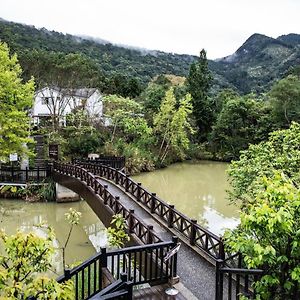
86 238
196 189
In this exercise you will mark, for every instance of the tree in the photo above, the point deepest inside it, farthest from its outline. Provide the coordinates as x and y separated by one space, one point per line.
153 95
268 237
281 152
172 125
126 115
242 121
285 99
199 82
15 101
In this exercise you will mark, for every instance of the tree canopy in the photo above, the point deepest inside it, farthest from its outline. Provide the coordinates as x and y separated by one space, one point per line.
199 81
15 102
268 237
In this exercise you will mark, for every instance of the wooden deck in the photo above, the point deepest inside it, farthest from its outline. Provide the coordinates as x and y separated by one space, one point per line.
155 293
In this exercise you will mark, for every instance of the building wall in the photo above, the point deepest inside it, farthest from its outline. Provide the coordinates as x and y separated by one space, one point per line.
94 104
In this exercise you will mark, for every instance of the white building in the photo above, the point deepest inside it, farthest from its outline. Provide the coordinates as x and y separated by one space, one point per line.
60 102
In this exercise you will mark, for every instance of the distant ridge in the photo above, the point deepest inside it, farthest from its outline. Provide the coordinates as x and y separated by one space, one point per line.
254 67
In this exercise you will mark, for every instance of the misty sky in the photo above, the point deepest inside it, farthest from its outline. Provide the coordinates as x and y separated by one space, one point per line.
187 26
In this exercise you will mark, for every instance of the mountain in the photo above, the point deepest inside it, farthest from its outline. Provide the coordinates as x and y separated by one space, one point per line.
259 62
253 67
110 58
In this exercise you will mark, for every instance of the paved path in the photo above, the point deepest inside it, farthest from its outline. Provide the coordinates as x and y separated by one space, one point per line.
197 276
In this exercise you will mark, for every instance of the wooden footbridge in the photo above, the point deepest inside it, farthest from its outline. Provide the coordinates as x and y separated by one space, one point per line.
202 266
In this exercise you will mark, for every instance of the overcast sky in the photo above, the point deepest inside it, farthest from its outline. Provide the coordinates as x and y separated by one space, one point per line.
186 26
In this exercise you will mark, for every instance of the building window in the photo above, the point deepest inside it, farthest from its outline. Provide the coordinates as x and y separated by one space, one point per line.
45 100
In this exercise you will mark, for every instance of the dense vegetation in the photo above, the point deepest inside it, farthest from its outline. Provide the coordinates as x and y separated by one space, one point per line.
16 99
265 182
254 67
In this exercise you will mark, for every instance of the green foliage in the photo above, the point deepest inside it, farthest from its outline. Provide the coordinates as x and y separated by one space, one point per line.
281 152
285 101
153 95
241 121
25 256
45 191
199 82
172 125
59 69
15 101
117 236
126 117
269 234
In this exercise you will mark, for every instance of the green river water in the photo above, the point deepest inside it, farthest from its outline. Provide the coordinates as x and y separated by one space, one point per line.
87 237
197 189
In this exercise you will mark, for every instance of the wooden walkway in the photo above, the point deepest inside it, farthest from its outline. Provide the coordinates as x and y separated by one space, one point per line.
156 293
197 275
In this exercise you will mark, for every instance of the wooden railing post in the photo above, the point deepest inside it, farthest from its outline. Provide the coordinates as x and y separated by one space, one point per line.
193 232
126 183
149 235
67 273
117 177
117 204
138 192
221 249
130 221
152 203
171 215
219 280
123 277
105 194
174 267
26 174
103 258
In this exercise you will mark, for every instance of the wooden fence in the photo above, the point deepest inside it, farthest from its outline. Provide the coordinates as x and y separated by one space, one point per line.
16 175
136 226
141 264
197 235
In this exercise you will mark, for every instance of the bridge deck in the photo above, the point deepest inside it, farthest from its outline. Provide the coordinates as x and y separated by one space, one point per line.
197 276
157 293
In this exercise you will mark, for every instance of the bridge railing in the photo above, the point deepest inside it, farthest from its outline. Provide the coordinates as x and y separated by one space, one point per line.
136 226
116 162
232 283
142 264
16 175
197 235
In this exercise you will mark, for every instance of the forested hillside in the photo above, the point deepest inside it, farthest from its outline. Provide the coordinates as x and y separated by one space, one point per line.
253 67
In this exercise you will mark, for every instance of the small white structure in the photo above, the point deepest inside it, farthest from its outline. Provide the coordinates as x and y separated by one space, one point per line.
59 102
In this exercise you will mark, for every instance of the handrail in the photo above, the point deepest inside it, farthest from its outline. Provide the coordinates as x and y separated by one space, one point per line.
16 175
141 264
116 162
238 281
197 235
135 225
